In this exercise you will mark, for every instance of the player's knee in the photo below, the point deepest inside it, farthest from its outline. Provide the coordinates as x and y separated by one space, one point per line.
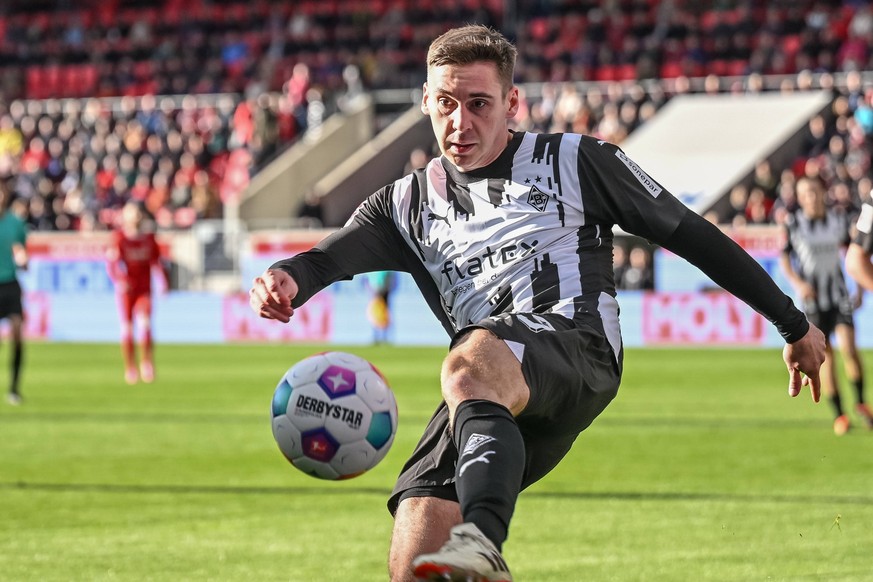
481 367
16 328
462 378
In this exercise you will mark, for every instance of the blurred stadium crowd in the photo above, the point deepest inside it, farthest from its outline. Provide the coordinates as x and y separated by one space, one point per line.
177 102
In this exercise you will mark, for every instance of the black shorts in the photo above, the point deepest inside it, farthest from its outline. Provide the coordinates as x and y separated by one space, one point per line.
10 299
572 373
827 321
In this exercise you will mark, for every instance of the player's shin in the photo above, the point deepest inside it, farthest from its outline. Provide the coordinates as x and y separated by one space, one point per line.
490 466
17 356
128 349
147 344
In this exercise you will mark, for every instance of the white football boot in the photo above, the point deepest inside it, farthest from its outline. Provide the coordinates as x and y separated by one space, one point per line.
468 556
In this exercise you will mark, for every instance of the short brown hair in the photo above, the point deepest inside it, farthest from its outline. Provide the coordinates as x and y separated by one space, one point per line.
474 43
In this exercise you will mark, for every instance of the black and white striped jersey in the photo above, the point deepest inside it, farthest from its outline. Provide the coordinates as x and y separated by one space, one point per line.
815 246
529 233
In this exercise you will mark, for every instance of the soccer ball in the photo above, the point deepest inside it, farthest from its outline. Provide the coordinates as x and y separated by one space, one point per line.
334 415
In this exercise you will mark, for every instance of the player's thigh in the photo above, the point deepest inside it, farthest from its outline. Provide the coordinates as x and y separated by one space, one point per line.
142 307
10 300
421 525
125 303
571 369
845 334
826 321
480 365
16 326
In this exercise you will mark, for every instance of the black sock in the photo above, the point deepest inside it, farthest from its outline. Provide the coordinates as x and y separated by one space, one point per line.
836 404
490 466
859 389
17 350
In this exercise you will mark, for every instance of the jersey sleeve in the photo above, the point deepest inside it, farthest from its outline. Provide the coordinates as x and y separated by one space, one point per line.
702 244
623 193
113 258
616 190
157 262
787 246
155 249
368 242
21 235
864 229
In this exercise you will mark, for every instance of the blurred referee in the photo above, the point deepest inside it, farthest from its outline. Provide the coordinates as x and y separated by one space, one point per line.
13 255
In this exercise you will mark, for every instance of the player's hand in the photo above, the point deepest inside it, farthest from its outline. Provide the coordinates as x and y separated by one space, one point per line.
807 291
804 359
271 295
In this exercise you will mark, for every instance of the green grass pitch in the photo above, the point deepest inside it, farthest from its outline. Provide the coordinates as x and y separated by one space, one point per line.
703 469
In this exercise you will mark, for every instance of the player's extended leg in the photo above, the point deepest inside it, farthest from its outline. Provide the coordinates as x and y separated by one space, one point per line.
484 387
16 356
421 526
128 349
829 388
854 370
144 318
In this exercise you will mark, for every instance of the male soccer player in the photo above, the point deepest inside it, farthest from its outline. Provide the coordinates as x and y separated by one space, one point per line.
132 255
860 251
812 261
381 286
509 237
13 256
860 268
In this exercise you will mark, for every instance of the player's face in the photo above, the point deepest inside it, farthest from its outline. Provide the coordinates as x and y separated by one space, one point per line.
810 199
469 112
131 216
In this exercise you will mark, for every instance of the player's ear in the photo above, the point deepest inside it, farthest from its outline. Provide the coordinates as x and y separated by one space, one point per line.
424 108
512 100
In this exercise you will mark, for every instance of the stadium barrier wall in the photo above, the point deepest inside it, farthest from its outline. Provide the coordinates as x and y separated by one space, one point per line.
70 298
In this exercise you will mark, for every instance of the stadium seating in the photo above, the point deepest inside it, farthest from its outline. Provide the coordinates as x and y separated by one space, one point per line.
132 48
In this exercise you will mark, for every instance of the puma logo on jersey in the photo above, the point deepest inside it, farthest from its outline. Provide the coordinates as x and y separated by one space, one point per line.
483 458
434 216
535 323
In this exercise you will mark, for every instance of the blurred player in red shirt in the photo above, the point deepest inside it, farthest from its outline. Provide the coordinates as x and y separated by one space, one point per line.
132 255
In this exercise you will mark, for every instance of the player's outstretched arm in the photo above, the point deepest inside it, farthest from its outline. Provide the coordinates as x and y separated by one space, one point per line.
804 359
271 295
859 267
19 255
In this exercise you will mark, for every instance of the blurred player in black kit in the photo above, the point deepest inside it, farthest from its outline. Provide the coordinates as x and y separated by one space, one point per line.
812 261
860 268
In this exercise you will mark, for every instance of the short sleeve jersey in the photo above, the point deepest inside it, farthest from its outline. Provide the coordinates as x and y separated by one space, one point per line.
137 254
815 247
531 232
864 228
13 232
